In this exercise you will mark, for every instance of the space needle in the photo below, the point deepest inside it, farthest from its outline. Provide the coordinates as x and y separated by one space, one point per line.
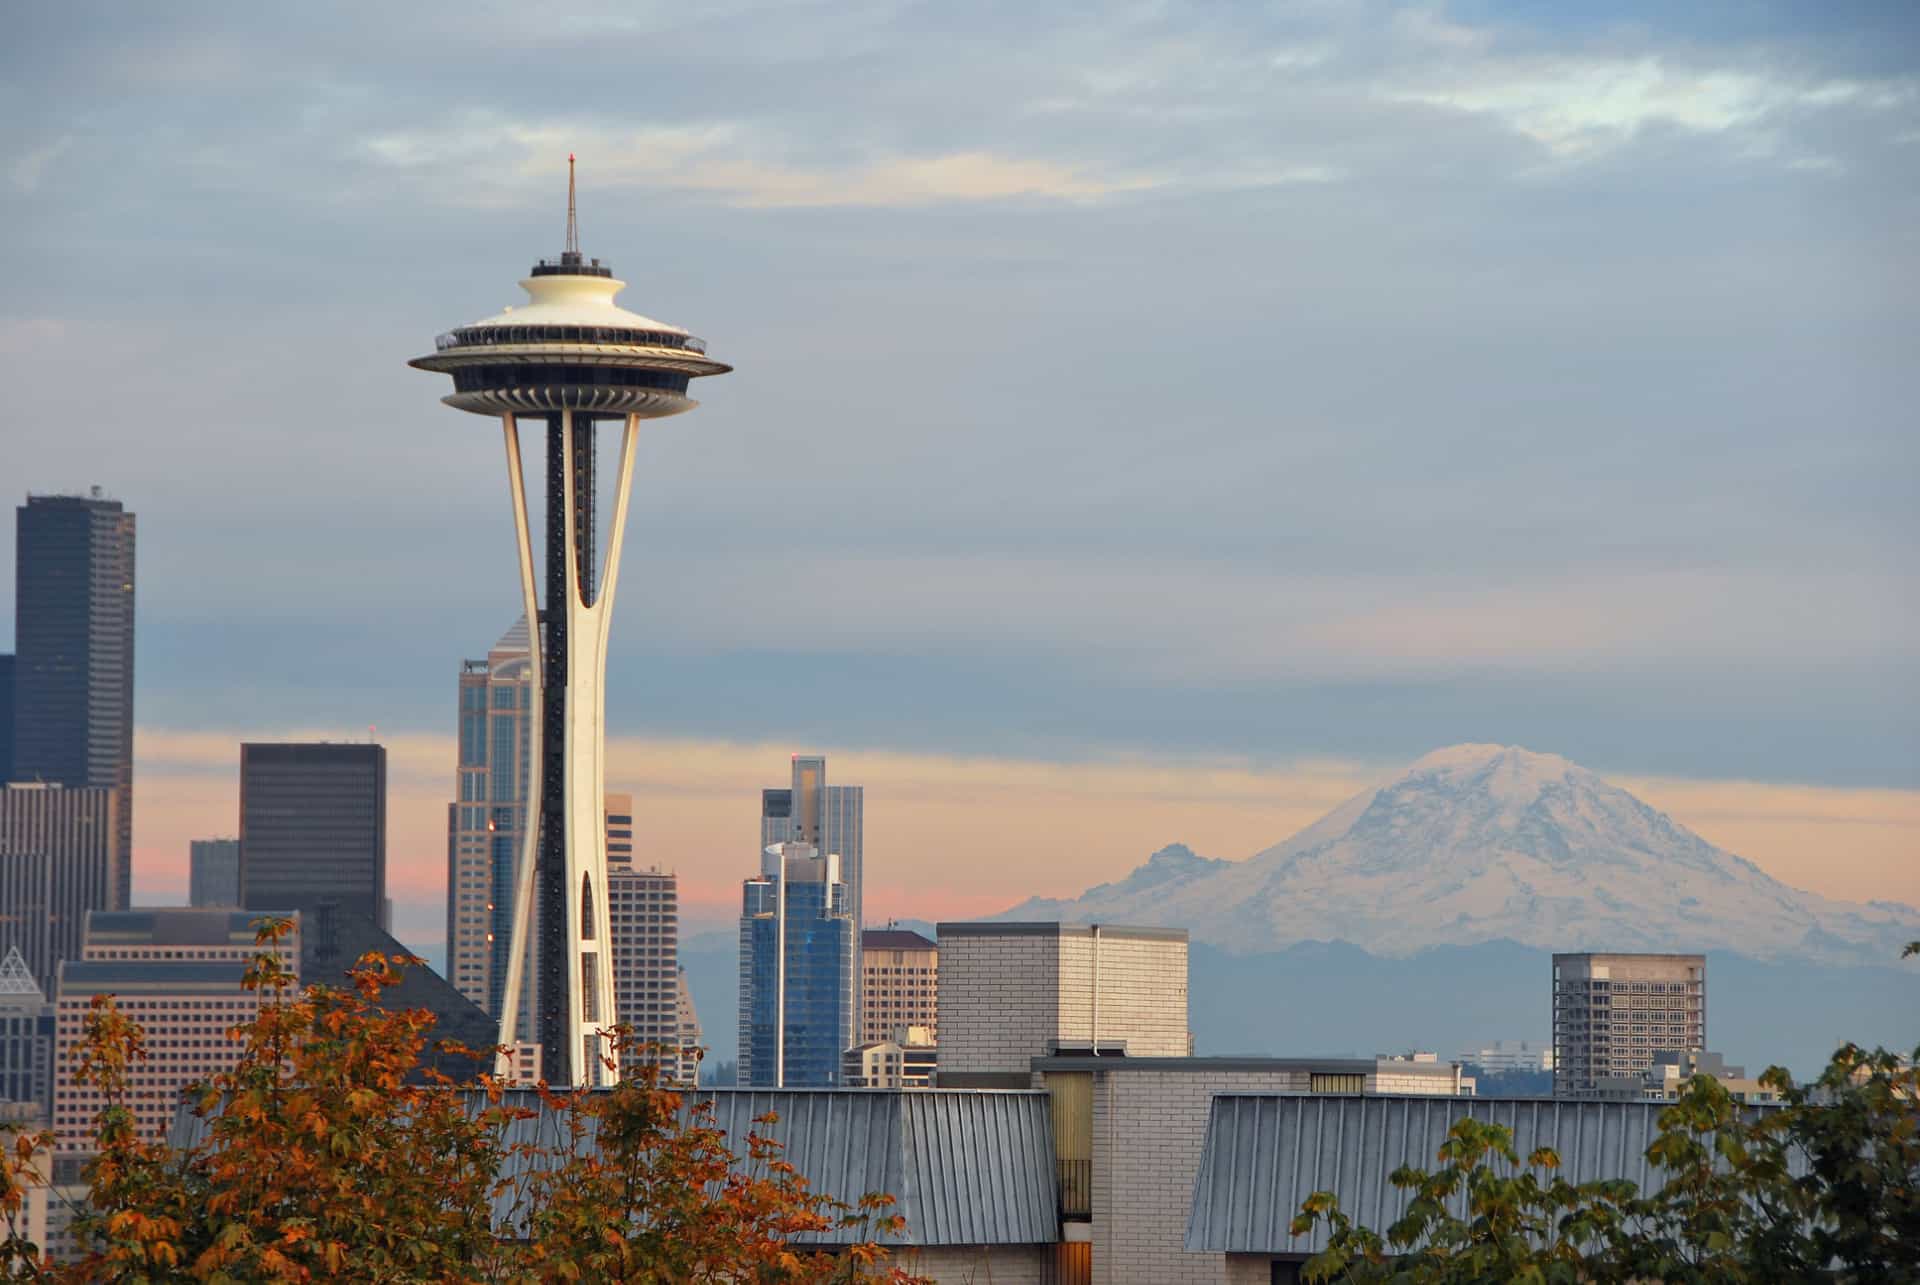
571 358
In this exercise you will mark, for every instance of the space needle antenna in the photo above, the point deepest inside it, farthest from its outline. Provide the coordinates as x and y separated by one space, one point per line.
573 219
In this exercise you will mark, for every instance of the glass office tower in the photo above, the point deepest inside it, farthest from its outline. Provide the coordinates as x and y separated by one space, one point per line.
487 822
796 970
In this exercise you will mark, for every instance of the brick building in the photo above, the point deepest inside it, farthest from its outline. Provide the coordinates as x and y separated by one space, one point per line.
1010 992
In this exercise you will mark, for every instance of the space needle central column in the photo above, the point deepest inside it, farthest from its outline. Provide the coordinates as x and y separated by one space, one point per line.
572 359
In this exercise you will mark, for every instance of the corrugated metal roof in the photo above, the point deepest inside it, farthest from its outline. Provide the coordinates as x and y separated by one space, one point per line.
1266 1153
967 1167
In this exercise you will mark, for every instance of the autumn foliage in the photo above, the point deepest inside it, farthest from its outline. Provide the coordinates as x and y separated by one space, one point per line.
329 1154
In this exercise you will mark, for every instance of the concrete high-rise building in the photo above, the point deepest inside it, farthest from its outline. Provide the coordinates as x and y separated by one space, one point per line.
73 651
1613 1013
61 855
213 873
1010 992
899 984
644 905
313 827
26 1037
830 818
569 358
796 970
175 971
486 824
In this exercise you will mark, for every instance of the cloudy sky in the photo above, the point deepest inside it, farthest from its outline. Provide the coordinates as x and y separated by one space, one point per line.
1151 421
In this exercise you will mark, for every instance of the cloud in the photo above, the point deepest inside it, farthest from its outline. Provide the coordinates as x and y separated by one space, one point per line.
717 159
1578 106
28 170
1161 617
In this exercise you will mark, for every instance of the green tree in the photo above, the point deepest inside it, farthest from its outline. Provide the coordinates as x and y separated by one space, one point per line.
1824 1187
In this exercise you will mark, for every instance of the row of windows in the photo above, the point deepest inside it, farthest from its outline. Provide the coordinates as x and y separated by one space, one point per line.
479 379
481 336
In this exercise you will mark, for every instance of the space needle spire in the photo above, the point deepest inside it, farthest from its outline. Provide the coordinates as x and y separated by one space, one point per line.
573 217
570 359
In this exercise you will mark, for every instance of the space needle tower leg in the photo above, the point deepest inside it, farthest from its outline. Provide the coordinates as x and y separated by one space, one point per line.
528 859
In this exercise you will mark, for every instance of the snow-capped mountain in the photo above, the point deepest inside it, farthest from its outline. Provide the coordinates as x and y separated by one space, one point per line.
1477 843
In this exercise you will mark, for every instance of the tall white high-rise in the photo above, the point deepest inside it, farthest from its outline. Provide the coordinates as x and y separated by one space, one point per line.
645 919
831 818
571 358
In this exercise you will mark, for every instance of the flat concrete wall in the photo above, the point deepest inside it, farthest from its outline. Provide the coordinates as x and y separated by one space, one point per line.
977 1264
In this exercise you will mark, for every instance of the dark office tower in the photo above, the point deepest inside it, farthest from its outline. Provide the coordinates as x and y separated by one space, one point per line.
213 872
60 857
313 828
73 649
6 719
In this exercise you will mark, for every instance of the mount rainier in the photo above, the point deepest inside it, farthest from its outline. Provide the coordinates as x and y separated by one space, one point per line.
1482 843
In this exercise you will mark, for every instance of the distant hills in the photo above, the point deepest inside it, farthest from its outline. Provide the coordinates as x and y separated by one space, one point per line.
1483 843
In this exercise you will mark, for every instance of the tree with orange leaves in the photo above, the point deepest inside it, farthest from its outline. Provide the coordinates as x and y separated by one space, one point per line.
330 1153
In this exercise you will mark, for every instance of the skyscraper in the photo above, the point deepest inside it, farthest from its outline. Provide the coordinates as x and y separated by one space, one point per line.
73 645
213 872
61 855
313 827
571 357
486 825
830 818
1613 1013
6 718
644 903
796 970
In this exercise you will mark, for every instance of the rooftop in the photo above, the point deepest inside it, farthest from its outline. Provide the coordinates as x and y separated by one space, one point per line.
895 939
1266 1153
967 1167
986 928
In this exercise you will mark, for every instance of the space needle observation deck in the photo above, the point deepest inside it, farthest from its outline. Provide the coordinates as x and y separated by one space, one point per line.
571 358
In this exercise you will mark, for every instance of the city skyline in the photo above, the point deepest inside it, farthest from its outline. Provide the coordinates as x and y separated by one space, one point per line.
1601 453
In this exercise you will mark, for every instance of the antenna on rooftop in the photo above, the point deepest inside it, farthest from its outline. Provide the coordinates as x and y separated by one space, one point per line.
573 222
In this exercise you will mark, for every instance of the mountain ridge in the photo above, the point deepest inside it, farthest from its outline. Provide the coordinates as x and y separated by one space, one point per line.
1474 843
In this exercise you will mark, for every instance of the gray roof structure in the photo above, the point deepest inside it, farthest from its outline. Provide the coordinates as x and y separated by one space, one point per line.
143 976
332 940
1266 1153
965 1167
895 939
